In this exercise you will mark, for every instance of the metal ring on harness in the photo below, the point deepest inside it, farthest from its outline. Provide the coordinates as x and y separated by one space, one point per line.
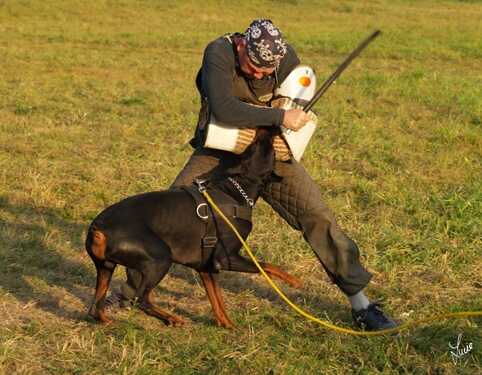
197 211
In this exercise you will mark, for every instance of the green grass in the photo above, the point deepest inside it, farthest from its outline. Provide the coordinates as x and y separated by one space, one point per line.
98 102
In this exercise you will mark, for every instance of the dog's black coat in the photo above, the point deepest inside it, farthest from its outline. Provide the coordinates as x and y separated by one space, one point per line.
148 232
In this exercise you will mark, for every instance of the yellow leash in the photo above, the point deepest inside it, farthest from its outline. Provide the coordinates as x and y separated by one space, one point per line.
328 325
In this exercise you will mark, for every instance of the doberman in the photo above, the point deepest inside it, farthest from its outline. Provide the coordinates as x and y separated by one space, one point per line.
150 231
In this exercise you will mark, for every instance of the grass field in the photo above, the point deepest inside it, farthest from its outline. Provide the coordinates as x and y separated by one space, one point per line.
98 102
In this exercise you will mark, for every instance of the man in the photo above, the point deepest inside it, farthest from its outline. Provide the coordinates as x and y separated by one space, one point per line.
239 70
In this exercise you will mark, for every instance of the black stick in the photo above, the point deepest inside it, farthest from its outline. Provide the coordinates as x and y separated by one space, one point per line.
340 69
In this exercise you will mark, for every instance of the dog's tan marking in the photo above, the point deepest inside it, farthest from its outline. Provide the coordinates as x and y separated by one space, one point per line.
213 291
99 246
274 271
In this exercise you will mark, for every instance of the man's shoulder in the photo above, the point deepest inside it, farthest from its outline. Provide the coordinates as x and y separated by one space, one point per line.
290 52
219 52
219 44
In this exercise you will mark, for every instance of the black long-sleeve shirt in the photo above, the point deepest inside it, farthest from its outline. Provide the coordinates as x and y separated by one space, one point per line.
230 93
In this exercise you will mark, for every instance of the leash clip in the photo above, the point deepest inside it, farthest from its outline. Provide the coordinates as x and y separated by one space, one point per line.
200 185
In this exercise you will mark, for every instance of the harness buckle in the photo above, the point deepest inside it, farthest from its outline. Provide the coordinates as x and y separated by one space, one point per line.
209 242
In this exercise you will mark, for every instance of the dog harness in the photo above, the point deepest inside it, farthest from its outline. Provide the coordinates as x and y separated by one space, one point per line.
206 213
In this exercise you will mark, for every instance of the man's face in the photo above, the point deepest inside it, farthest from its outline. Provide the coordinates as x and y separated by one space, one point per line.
247 67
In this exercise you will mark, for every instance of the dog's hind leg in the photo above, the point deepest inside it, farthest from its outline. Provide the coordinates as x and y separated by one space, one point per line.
104 275
146 305
153 269
213 291
96 247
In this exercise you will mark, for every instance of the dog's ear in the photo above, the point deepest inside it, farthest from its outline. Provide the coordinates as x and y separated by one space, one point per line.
273 177
240 168
266 133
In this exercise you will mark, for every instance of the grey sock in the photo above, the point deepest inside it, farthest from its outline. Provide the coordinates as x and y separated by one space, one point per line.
359 301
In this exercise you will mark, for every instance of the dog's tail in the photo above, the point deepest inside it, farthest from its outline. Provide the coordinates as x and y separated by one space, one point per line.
96 244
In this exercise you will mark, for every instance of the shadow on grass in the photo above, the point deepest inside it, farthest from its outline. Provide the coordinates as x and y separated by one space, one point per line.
37 263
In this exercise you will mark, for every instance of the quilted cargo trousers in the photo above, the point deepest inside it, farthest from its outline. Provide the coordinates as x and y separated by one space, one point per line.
298 201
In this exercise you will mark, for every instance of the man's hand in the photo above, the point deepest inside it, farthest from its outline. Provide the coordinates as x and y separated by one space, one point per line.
295 119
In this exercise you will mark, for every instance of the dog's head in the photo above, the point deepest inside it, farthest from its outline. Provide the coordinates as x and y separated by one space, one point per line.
259 158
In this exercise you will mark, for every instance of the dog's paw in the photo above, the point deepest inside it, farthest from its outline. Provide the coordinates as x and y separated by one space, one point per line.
174 321
295 282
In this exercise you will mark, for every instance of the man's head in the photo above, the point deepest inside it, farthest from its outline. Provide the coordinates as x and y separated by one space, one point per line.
264 44
262 49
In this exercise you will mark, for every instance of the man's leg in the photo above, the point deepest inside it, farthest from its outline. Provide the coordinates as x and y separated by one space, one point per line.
297 199
205 164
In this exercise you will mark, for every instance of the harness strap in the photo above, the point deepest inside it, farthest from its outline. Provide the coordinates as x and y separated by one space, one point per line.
230 210
207 214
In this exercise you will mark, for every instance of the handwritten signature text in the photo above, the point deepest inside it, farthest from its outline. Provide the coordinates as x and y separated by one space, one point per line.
458 350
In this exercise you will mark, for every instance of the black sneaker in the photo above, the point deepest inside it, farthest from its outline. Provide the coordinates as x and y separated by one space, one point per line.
116 302
373 319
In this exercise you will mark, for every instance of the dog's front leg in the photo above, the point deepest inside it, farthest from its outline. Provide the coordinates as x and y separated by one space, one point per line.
213 291
238 263
274 271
